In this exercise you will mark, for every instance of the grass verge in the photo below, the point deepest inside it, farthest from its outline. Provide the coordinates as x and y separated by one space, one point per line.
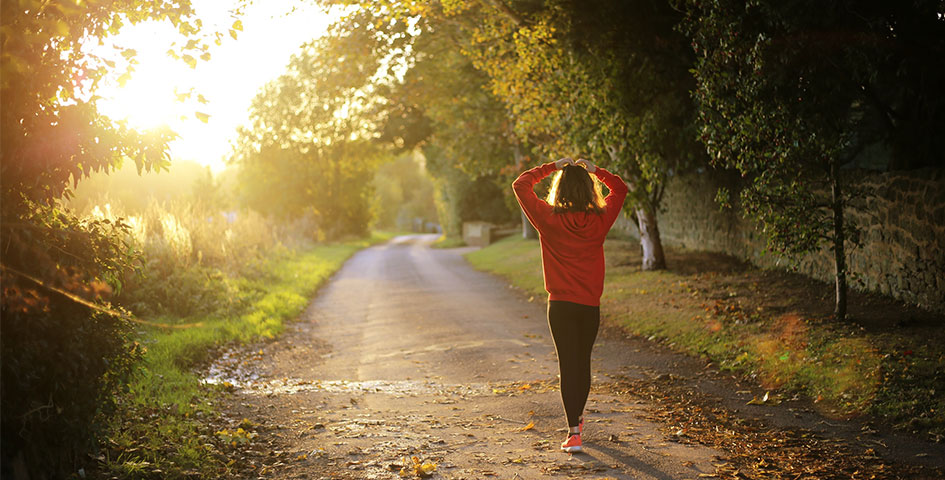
448 242
770 326
164 427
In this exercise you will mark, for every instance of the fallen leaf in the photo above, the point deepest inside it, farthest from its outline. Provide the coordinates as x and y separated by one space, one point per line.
530 426
420 468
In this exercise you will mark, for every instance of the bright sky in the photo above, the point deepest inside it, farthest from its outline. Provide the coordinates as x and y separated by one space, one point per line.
272 32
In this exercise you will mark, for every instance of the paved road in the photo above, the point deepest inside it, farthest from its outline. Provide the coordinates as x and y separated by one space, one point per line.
408 351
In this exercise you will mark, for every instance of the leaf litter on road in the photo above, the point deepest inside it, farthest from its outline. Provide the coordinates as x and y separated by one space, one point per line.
754 449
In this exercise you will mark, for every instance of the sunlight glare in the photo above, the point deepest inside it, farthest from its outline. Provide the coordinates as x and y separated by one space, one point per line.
156 92
147 101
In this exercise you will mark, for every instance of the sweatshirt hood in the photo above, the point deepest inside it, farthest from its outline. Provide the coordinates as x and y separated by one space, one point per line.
583 225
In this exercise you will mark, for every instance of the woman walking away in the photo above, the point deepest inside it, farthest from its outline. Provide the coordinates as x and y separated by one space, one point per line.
572 225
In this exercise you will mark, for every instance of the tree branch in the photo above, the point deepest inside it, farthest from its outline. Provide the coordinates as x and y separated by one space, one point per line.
505 9
86 303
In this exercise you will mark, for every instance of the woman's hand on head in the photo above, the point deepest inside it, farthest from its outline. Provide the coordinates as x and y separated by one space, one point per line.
564 162
586 164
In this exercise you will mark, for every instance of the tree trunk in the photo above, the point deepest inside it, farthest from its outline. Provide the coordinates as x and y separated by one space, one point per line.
528 230
653 258
840 259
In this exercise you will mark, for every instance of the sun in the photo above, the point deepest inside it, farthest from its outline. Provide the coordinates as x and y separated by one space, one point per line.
147 101
149 98
204 103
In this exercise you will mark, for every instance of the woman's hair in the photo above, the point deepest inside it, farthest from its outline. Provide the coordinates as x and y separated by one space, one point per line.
573 190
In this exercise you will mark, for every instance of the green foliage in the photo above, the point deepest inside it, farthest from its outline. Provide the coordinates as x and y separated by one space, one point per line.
309 149
493 82
403 194
60 368
61 358
462 198
52 131
605 79
790 93
61 354
769 111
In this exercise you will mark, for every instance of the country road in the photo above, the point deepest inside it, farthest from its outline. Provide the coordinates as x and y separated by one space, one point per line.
409 352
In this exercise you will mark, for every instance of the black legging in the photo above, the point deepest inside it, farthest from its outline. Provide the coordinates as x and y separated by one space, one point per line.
574 329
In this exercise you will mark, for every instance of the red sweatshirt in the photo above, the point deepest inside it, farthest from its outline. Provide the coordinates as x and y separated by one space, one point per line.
572 243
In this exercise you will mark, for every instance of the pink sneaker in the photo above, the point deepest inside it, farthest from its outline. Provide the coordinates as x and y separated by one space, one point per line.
573 444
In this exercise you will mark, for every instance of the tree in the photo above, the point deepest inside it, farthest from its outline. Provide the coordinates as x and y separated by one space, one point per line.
605 79
404 194
63 349
791 92
310 147
469 145
601 78
434 100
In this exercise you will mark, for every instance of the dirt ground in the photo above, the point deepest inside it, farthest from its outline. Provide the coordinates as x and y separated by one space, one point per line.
409 363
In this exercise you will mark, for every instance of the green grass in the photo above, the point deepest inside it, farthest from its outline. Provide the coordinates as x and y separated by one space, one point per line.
448 242
846 369
162 429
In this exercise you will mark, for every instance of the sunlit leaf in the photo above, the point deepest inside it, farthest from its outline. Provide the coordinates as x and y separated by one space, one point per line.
203 117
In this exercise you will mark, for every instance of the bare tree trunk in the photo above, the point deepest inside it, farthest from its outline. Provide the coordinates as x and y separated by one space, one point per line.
653 258
840 259
650 243
528 230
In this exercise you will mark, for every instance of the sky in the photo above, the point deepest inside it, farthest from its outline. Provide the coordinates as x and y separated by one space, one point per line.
272 31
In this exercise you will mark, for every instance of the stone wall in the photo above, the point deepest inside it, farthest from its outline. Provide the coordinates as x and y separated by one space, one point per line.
902 219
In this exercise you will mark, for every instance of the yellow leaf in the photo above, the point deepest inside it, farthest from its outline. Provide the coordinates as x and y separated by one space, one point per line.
530 426
203 117
238 25
427 468
765 400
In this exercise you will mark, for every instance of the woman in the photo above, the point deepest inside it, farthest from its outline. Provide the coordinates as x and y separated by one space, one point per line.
572 225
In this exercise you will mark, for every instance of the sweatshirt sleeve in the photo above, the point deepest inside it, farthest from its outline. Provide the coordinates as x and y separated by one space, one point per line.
536 209
618 193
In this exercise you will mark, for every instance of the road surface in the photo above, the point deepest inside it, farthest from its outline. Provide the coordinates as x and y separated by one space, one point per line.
409 352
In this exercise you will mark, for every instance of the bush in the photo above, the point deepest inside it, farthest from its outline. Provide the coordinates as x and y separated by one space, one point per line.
62 356
192 256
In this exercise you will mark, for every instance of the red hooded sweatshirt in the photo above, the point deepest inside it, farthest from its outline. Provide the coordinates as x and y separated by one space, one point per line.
572 243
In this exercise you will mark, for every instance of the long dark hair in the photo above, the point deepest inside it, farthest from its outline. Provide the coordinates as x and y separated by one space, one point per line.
574 190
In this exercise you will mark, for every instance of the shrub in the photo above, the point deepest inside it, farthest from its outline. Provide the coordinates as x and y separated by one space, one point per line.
62 356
